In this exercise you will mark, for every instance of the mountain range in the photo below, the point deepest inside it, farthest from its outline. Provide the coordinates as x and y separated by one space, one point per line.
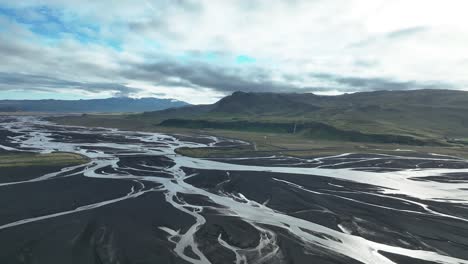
109 105
414 116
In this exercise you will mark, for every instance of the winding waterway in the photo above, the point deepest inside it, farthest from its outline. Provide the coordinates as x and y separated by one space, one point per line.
348 208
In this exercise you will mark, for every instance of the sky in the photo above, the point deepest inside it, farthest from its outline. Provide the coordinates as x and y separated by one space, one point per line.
201 50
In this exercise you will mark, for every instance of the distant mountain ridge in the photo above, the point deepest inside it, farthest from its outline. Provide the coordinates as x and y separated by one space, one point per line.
264 103
261 104
432 115
109 105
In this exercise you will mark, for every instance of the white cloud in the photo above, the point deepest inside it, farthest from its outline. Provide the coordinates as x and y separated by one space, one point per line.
404 41
198 95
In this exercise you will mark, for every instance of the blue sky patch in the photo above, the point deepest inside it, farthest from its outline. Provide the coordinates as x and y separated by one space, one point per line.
243 59
36 95
53 23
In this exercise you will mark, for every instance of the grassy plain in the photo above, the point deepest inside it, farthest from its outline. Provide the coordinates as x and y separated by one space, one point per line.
262 143
20 159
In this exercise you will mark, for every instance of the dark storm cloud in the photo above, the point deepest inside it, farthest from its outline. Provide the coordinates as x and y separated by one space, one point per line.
202 75
10 81
375 84
170 73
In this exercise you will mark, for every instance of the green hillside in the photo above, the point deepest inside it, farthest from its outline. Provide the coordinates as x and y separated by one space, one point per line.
424 115
419 117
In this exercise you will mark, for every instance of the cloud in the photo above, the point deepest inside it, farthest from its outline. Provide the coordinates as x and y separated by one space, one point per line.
15 81
204 75
377 84
405 32
168 48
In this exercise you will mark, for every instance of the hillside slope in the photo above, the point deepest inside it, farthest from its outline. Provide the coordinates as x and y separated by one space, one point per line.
440 115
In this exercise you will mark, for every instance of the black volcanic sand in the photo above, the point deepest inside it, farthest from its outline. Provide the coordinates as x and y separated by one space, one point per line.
448 178
124 232
57 195
152 166
129 231
75 137
196 139
4 138
292 249
232 230
15 174
348 207
368 162
405 259
139 162
242 235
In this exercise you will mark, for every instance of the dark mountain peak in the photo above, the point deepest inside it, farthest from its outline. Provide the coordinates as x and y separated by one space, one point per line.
239 93
261 103
251 104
